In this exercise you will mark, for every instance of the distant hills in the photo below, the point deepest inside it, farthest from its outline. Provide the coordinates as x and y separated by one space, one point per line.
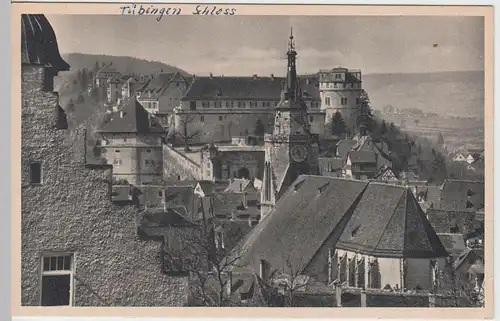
121 63
459 93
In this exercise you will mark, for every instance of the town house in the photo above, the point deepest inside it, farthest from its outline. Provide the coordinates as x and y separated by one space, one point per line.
78 246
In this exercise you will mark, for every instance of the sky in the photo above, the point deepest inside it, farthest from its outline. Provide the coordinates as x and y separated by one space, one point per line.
247 45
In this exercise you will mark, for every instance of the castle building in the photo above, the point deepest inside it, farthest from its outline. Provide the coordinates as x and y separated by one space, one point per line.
162 94
78 247
132 144
340 91
219 108
290 149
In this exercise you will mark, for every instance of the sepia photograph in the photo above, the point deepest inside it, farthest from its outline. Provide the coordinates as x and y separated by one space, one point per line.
187 160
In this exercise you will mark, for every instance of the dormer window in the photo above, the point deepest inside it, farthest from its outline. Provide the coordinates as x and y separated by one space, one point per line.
355 231
470 193
322 188
298 185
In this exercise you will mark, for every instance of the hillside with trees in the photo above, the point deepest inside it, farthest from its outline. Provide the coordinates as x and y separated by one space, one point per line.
130 65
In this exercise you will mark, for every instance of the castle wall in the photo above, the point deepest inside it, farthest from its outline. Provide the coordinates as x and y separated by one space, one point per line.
177 165
222 125
71 212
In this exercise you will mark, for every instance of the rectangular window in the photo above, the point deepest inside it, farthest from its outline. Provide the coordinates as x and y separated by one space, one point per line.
311 118
343 101
117 151
357 101
231 104
202 119
36 173
220 117
148 151
192 105
57 280
160 194
327 101
117 162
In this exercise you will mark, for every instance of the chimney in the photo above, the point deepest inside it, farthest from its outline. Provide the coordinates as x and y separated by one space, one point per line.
211 76
272 76
255 76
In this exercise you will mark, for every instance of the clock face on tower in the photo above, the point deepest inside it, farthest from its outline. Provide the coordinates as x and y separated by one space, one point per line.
299 153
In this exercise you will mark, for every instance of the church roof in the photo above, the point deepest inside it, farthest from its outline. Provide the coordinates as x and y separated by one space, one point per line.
245 88
39 43
132 118
372 218
388 222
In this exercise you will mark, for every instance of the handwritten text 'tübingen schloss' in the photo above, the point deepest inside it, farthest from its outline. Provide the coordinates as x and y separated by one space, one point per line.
159 12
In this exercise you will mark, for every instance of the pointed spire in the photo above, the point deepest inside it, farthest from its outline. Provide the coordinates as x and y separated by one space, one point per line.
290 90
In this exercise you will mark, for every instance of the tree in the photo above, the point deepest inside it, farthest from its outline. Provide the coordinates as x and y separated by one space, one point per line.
288 282
337 124
193 249
438 166
84 79
183 134
440 139
365 112
259 129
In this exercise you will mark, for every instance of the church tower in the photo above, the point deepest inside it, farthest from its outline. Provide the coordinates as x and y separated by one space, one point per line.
290 149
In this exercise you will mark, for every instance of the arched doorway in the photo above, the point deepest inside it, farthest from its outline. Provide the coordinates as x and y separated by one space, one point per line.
243 172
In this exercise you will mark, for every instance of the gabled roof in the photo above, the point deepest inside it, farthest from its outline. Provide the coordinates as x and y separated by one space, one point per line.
135 120
385 173
344 146
261 88
455 195
183 199
39 43
443 221
238 185
157 85
388 222
312 203
363 157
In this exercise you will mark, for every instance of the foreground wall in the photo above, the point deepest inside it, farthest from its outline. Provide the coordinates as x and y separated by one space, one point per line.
70 212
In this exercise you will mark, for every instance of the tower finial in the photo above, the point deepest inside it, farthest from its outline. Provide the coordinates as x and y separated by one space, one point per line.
291 44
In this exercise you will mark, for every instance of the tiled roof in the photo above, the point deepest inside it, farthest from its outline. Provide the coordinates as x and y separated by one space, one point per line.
157 85
261 88
39 43
122 193
135 120
238 185
156 221
363 157
388 222
443 221
453 242
286 231
371 218
454 195
344 146
182 197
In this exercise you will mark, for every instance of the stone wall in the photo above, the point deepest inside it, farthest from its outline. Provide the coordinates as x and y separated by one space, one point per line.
71 212
176 165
